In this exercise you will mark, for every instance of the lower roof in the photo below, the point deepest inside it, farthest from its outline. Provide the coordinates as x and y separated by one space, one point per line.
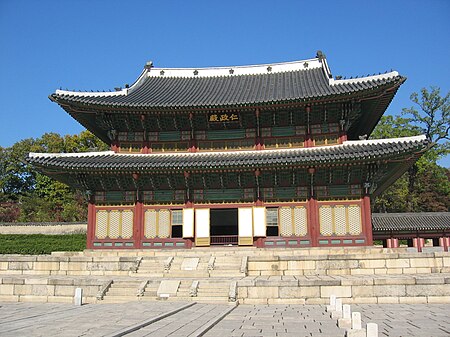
427 221
349 151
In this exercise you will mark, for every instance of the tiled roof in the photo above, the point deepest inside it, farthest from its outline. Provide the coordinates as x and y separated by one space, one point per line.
433 221
230 86
350 151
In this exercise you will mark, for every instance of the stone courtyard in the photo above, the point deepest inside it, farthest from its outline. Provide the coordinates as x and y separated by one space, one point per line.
215 320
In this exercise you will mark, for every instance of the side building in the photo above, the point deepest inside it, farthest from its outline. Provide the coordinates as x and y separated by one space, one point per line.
270 155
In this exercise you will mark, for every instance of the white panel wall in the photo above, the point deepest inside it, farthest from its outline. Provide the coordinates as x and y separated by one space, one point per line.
188 223
202 223
245 221
259 221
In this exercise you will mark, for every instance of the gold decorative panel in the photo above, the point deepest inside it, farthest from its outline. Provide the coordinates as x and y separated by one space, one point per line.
202 242
245 241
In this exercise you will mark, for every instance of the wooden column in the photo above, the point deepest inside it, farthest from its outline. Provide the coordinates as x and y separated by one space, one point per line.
192 141
313 221
308 138
258 139
91 225
444 242
138 224
313 212
367 220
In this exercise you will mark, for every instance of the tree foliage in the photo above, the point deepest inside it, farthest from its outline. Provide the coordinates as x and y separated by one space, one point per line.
433 119
425 187
27 195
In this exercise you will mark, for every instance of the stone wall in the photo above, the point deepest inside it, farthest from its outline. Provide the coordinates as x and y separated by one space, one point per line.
49 228
351 264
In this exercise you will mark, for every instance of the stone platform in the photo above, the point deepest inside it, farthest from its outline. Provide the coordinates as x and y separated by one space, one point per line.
229 275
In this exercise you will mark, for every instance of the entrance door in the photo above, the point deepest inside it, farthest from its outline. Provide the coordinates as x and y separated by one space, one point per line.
224 226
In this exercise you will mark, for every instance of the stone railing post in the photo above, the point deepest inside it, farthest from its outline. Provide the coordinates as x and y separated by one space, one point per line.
193 289
105 286
168 263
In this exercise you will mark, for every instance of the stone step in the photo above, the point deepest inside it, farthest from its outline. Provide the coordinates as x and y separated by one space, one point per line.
213 285
121 291
187 273
222 299
225 273
126 284
211 294
148 275
119 299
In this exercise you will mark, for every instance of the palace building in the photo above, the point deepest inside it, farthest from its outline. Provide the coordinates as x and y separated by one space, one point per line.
273 155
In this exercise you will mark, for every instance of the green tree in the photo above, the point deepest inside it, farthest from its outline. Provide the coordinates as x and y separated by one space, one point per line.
433 119
425 186
37 196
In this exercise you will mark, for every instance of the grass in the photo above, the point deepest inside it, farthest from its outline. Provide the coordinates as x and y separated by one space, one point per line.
38 244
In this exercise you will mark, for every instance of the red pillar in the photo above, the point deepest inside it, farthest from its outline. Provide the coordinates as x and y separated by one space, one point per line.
90 234
392 243
444 242
138 224
313 221
367 220
418 243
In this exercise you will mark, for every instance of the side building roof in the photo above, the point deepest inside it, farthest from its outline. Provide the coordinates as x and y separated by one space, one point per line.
398 222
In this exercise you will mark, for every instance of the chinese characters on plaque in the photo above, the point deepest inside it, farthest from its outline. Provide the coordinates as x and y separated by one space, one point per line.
222 117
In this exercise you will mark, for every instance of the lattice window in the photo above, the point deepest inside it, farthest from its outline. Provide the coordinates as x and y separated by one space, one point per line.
114 224
300 221
101 228
164 223
286 221
157 223
127 224
340 220
354 220
326 220
150 224
272 221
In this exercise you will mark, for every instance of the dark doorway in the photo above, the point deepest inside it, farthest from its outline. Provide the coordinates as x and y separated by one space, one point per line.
224 226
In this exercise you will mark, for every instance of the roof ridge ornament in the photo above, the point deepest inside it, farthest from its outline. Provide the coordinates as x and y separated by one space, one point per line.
148 65
320 55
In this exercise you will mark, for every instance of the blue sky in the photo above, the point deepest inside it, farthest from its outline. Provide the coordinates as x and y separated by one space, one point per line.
99 45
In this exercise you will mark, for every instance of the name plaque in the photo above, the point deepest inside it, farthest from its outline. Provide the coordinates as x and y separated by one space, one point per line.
222 117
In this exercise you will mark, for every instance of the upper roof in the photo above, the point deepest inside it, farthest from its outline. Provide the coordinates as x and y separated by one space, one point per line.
349 151
167 88
427 221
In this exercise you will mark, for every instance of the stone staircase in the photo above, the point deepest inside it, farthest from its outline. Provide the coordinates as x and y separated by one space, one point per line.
212 291
150 267
188 267
122 291
150 291
227 266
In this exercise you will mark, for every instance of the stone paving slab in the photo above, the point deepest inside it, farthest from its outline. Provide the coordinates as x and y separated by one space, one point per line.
65 320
